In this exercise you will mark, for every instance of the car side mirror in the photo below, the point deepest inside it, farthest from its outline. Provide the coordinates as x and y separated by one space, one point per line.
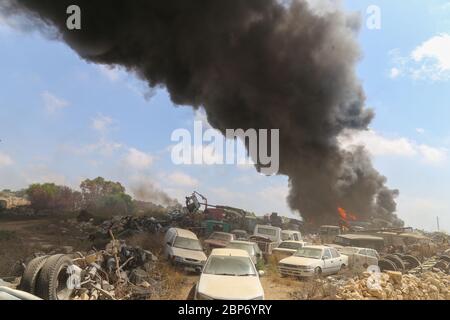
261 273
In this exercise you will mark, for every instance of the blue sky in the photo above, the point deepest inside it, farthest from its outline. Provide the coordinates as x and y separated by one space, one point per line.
64 120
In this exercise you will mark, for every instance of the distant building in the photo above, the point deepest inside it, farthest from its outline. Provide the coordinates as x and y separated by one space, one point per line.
11 202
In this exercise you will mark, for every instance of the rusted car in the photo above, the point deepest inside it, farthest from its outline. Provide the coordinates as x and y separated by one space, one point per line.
360 258
218 240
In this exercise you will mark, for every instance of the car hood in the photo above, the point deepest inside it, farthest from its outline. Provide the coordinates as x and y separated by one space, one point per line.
190 254
300 261
284 250
230 288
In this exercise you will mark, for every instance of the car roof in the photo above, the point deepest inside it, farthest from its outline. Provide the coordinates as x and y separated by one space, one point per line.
220 232
243 242
292 241
316 247
290 231
360 236
229 252
185 233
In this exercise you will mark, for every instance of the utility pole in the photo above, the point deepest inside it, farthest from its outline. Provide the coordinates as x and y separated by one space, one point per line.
437 219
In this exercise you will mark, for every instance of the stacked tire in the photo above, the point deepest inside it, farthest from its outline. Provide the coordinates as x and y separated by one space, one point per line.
46 277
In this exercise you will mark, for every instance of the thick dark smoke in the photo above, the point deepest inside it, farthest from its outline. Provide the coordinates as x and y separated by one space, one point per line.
250 64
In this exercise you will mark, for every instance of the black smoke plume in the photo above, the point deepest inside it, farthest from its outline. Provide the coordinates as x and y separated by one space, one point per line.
260 64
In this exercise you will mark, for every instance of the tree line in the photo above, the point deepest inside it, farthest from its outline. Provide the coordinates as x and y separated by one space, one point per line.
99 197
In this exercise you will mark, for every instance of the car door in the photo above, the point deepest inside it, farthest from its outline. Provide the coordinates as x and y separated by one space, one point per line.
328 264
337 260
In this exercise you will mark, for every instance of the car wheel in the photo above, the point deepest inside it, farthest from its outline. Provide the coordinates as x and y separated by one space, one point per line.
318 271
343 267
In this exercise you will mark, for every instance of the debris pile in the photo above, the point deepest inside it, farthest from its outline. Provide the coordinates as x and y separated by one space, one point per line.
391 285
118 272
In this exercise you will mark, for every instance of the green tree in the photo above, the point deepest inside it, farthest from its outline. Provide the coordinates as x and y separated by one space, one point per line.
105 198
49 196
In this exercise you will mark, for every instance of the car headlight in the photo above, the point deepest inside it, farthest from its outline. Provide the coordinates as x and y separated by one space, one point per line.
201 296
178 259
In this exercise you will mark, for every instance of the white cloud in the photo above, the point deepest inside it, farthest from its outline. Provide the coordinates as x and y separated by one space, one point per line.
428 61
5 160
138 159
433 155
379 145
182 179
113 73
395 73
420 130
102 124
52 103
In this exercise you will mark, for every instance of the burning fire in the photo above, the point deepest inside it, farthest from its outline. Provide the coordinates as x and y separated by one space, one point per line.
346 216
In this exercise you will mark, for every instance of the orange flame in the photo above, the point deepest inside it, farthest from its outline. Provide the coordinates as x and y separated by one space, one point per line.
346 216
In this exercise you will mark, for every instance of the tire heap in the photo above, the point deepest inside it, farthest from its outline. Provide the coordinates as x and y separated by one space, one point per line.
118 272
403 263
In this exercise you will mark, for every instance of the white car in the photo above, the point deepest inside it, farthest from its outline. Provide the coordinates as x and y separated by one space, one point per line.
183 249
360 257
229 274
251 247
313 260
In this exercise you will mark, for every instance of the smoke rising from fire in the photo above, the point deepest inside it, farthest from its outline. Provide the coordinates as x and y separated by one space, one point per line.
251 64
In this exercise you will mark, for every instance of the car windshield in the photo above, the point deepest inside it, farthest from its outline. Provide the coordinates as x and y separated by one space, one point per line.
290 245
243 246
186 243
348 250
312 253
267 231
221 236
229 266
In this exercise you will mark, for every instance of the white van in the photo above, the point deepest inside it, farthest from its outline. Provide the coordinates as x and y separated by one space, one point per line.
183 249
267 237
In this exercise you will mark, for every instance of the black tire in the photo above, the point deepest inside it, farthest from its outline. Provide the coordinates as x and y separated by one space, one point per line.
442 265
318 272
411 262
386 265
31 273
397 261
191 294
52 280
445 257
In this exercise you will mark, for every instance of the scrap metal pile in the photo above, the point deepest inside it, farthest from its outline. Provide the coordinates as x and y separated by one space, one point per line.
117 272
